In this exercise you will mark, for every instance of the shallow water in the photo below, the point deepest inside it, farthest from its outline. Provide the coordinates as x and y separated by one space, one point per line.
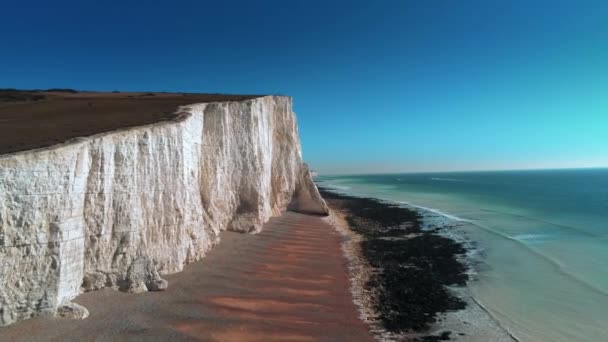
542 237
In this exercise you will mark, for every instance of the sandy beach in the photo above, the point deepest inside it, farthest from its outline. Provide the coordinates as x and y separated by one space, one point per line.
287 283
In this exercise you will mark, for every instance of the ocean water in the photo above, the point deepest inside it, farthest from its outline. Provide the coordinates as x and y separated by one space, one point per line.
541 237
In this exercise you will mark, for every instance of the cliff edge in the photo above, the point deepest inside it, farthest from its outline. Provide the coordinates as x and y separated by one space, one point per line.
120 209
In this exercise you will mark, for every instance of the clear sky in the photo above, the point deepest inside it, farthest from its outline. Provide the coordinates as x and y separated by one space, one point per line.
378 86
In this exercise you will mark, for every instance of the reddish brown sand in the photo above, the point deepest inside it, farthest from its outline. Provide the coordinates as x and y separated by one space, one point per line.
288 283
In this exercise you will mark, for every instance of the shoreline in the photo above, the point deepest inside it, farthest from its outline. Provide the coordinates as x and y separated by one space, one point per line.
469 323
477 322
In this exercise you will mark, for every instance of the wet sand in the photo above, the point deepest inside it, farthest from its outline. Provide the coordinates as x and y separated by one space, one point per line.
288 283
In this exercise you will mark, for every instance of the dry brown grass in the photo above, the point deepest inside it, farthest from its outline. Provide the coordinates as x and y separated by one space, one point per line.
28 121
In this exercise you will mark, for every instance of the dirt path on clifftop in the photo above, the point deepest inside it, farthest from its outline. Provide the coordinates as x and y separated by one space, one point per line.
288 283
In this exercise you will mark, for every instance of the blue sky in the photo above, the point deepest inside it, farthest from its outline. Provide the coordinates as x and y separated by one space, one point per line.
378 86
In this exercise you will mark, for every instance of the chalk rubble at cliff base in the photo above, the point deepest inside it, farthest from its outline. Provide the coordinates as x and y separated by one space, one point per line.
122 208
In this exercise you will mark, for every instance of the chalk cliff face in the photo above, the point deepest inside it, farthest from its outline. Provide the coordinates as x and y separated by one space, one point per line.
122 208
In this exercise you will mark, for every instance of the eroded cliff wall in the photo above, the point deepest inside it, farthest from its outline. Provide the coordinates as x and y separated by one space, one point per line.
122 208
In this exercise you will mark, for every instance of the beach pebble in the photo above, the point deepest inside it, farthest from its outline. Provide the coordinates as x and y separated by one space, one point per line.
158 285
72 310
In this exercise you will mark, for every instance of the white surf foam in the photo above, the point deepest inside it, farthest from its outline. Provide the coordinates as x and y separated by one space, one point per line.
447 179
337 187
529 237
436 211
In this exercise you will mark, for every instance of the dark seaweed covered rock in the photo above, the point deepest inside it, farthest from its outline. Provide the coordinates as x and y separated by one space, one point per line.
382 213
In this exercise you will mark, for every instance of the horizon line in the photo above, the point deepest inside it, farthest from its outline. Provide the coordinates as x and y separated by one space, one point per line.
460 171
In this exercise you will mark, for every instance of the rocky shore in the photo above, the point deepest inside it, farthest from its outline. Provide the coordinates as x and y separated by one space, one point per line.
402 287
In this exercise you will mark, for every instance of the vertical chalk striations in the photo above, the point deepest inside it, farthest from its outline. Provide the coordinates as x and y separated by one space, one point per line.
122 208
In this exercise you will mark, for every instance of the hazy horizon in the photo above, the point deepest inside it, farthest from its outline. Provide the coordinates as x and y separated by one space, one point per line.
460 171
388 86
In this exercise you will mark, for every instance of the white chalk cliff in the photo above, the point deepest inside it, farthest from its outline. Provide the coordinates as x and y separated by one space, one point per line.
122 208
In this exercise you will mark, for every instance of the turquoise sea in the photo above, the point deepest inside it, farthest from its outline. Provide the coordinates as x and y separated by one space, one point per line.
541 238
